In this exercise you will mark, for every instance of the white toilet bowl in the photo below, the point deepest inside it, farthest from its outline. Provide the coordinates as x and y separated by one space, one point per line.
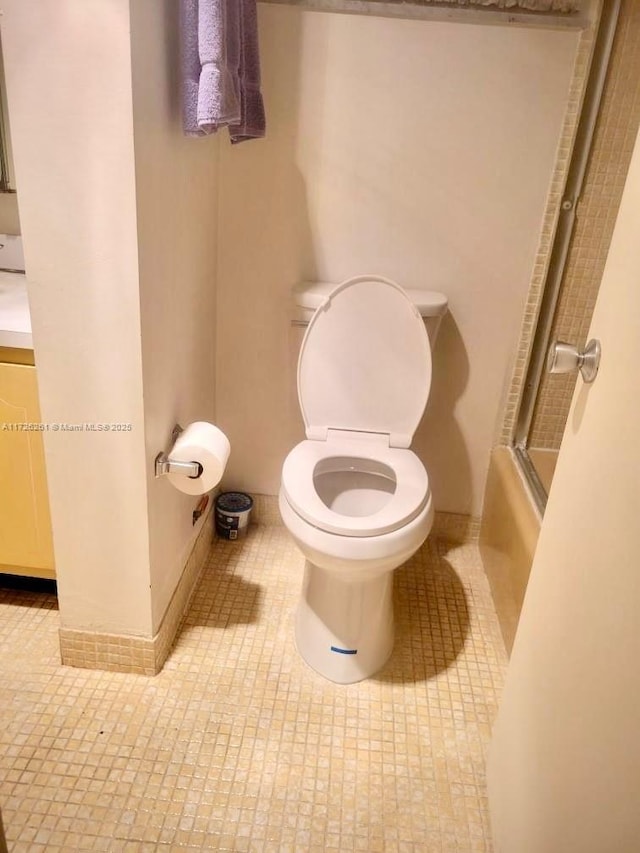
355 508
356 518
353 496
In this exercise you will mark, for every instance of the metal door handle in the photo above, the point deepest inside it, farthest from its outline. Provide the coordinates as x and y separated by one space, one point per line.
563 358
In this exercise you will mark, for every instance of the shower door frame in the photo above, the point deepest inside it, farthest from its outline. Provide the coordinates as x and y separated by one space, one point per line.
561 245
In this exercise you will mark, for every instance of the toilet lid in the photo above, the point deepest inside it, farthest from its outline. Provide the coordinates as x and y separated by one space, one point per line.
365 362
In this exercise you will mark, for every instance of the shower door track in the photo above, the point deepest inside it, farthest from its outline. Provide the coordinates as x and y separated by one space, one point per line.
562 242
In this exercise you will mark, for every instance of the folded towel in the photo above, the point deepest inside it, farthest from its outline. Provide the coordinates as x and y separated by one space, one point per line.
219 50
252 124
221 68
190 65
210 64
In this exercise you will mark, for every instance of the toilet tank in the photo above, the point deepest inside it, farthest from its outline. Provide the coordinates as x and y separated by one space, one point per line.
309 295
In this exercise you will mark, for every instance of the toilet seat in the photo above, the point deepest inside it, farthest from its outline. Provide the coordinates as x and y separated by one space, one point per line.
410 497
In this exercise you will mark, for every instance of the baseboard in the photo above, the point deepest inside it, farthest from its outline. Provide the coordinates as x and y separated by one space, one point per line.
141 655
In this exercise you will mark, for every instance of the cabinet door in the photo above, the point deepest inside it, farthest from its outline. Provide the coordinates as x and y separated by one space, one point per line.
25 526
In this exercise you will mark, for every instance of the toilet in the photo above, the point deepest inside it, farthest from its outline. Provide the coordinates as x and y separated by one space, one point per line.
354 497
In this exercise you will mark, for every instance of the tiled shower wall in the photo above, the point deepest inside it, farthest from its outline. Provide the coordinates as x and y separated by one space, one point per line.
615 135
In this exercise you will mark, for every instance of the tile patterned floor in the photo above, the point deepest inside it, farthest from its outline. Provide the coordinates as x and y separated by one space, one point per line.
237 745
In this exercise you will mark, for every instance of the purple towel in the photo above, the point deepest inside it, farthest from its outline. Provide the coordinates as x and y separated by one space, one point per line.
221 68
210 65
252 124
219 49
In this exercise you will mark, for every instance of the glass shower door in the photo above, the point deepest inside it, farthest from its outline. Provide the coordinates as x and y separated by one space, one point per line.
602 151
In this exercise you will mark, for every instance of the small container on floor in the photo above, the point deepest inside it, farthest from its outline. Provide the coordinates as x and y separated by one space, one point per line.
232 512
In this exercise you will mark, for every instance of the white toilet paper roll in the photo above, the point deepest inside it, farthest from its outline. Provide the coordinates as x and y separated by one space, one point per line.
204 443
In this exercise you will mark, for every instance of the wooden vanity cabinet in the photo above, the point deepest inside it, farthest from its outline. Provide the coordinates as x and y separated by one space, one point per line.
26 546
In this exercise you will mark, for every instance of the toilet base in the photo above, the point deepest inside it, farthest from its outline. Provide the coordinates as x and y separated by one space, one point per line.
344 629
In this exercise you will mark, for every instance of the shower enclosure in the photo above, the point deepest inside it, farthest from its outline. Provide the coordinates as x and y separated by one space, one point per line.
607 129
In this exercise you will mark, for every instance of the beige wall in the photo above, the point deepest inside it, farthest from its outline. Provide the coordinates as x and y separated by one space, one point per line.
119 218
176 194
563 765
417 150
77 206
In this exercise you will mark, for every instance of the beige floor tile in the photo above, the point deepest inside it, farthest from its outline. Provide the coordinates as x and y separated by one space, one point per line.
237 745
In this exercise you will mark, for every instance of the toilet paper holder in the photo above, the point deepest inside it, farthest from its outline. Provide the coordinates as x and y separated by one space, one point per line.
165 465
